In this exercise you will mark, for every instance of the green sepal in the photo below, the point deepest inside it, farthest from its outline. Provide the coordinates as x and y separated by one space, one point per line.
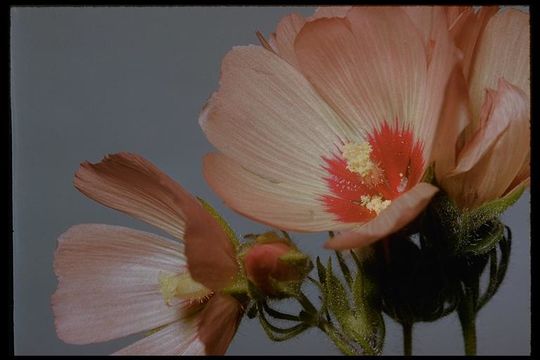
344 268
496 207
285 289
336 296
321 271
464 230
363 323
300 261
239 287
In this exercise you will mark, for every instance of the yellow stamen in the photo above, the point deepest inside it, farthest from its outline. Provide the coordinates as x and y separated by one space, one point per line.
181 286
374 203
358 158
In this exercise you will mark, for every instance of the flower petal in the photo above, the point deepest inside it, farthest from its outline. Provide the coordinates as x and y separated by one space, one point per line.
284 205
283 39
210 253
467 31
178 338
496 155
503 52
133 185
456 14
398 214
220 320
361 66
455 117
108 282
508 107
441 57
267 117
524 174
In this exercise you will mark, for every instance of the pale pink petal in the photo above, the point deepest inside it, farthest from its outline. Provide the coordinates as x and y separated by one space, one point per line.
456 14
330 11
517 186
398 214
467 29
210 253
503 52
507 107
283 39
497 154
109 282
370 67
220 320
268 118
455 116
281 204
133 185
442 57
523 175
178 338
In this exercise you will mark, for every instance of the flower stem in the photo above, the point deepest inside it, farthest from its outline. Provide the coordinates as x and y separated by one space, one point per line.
469 337
407 339
467 319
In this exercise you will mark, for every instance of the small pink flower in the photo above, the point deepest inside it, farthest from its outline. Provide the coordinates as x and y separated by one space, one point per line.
330 125
484 139
115 281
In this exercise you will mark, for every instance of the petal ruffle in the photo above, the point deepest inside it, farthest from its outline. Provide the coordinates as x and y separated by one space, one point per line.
490 162
505 108
133 185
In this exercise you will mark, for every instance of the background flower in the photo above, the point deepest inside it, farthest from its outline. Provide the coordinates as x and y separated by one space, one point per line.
114 281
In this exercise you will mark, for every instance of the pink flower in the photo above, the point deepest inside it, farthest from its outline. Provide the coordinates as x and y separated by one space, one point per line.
484 136
330 125
115 281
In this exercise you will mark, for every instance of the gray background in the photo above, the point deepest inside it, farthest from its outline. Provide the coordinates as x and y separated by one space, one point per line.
91 81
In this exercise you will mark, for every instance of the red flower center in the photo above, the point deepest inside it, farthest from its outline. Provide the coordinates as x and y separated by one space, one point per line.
365 177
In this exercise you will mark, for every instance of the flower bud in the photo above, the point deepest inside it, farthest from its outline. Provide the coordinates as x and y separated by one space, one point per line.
275 266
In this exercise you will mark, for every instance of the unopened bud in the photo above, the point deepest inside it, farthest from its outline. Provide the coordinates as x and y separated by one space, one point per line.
275 266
